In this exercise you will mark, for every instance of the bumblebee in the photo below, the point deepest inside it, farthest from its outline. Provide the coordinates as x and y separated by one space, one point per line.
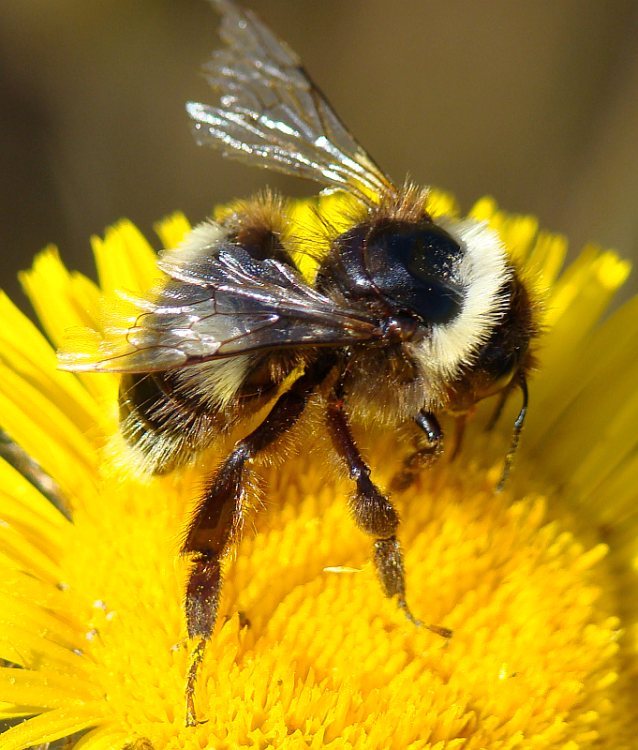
400 319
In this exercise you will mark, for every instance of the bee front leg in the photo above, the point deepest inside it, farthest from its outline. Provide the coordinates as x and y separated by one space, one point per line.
429 448
373 513
217 521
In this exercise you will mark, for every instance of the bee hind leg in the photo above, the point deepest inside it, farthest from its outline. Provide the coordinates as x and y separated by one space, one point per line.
374 514
216 523
210 533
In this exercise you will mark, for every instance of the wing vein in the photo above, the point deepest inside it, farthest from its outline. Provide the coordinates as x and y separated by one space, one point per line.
272 115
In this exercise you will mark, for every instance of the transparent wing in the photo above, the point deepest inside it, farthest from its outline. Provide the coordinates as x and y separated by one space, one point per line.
220 306
31 470
270 114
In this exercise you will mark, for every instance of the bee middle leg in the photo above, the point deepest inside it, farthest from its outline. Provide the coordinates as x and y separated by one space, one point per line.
218 519
373 513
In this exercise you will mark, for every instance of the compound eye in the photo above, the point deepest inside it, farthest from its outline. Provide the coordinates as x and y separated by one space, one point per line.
418 266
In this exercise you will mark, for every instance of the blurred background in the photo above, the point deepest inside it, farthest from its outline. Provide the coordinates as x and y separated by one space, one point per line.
534 102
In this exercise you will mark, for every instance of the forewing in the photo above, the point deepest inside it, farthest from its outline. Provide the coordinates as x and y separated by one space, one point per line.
270 114
219 306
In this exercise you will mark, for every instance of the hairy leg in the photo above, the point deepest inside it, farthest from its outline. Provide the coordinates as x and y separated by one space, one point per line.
373 513
218 519
429 447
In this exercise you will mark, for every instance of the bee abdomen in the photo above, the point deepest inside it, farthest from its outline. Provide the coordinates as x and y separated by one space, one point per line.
164 428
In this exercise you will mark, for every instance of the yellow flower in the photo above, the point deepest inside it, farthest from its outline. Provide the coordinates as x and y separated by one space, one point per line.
538 583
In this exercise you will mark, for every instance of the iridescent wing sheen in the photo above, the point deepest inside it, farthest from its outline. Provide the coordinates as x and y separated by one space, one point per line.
217 306
270 114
